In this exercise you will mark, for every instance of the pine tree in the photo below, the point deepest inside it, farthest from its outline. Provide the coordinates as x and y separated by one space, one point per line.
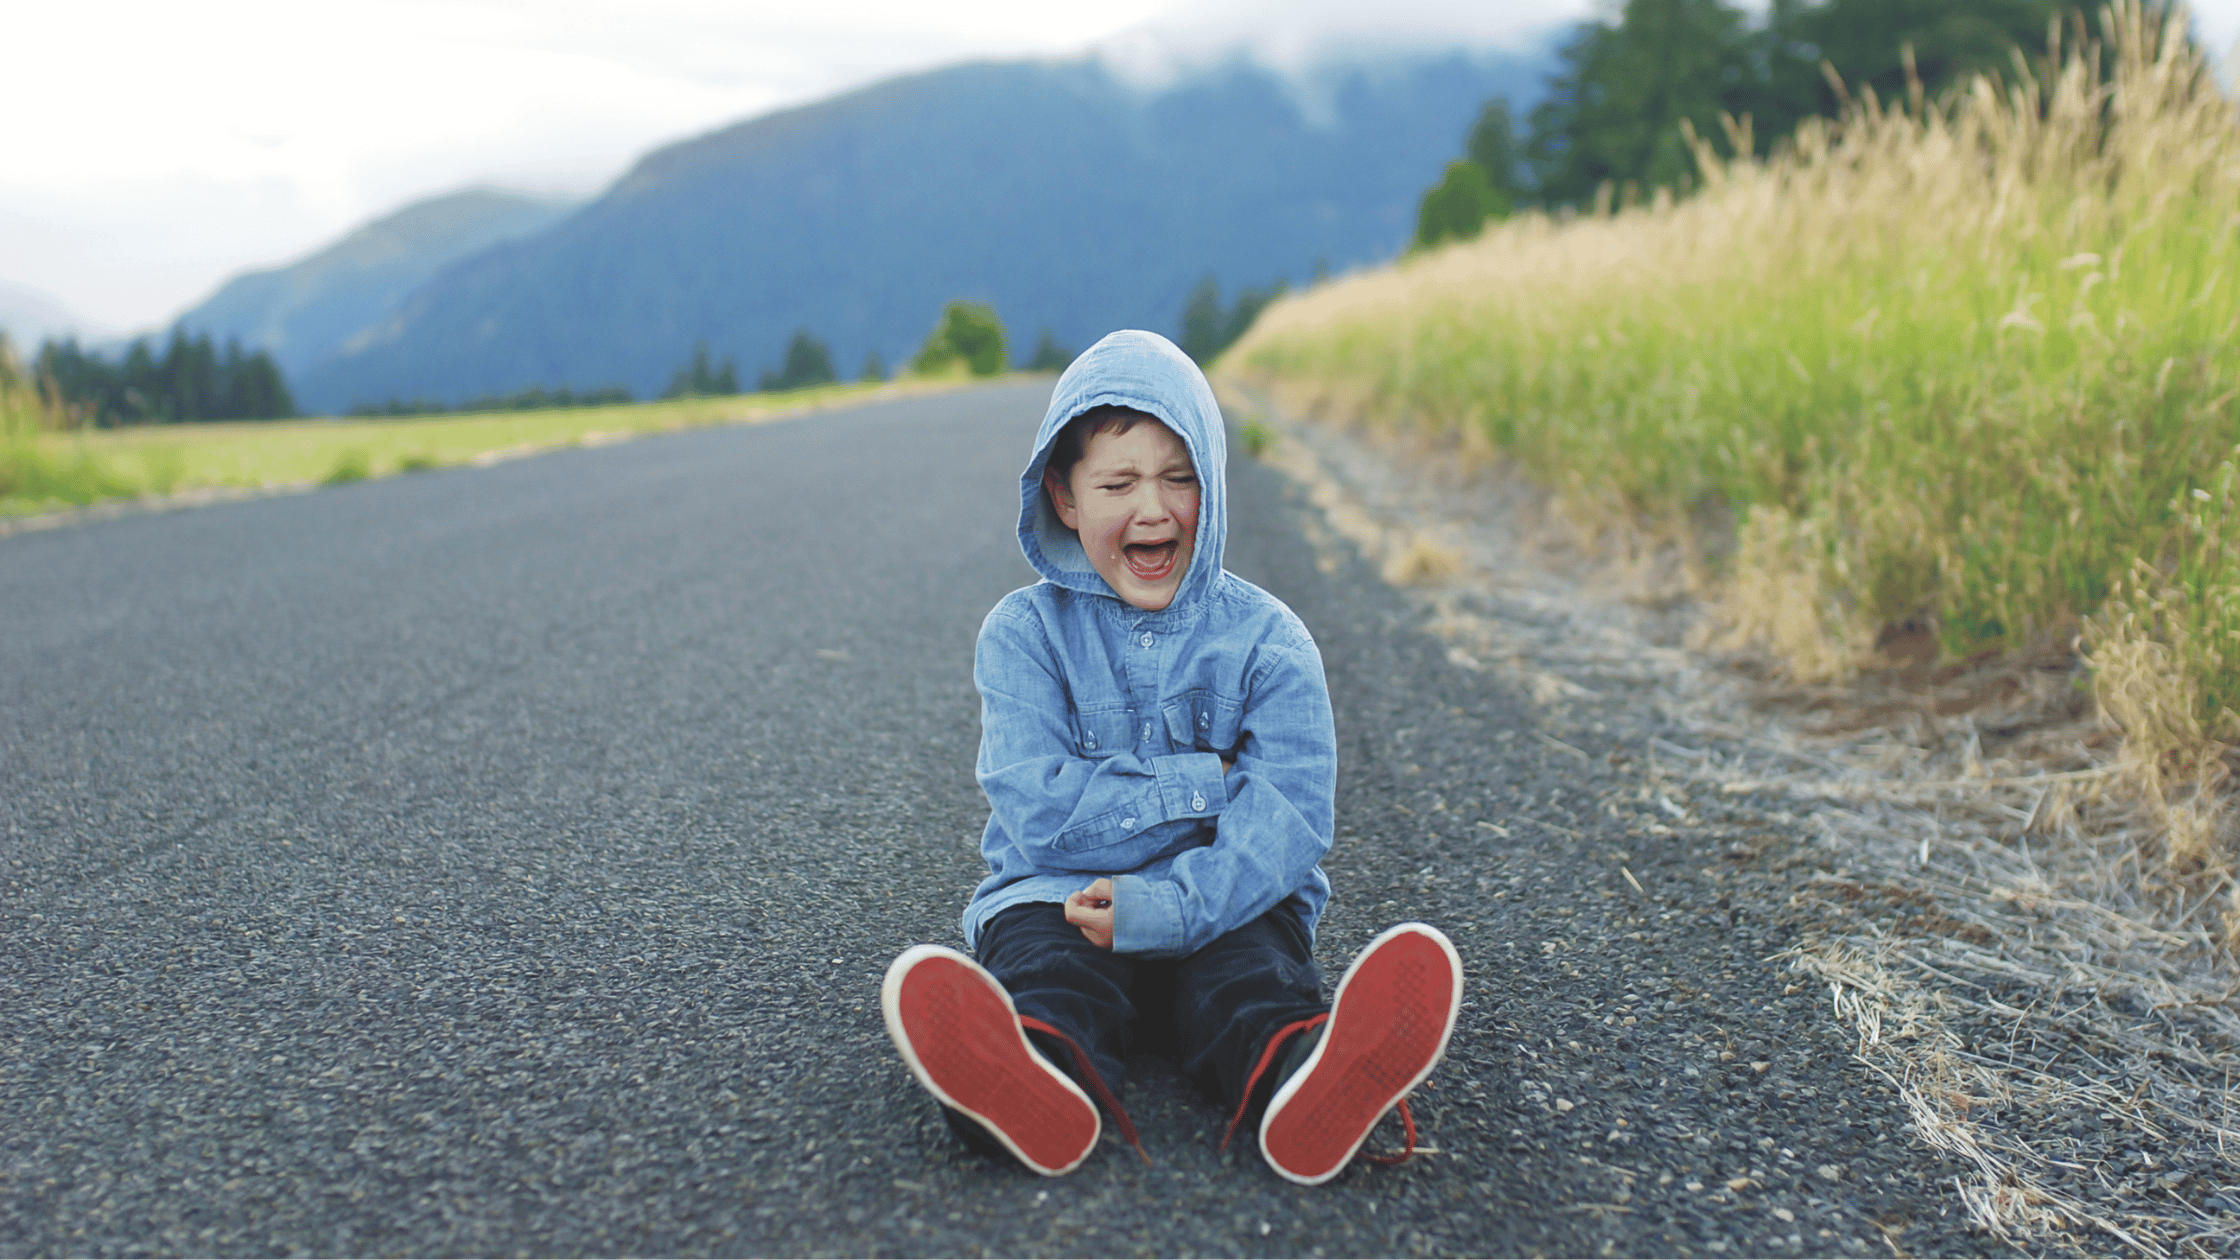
1201 322
1492 147
807 363
703 377
1459 205
1613 114
1049 356
1207 330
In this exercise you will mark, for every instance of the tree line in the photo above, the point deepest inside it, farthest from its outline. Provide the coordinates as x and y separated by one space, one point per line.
190 380
1610 124
968 338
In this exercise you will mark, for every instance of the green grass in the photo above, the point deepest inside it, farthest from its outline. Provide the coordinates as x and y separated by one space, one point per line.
1966 367
43 471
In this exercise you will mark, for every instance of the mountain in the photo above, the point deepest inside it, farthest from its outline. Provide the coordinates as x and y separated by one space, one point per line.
306 312
29 317
1065 195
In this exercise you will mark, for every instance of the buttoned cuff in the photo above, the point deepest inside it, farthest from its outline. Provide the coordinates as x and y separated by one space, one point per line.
1146 916
1191 785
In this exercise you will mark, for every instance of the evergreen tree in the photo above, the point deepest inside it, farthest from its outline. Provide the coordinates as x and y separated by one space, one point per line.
191 381
1049 356
1613 112
1459 205
1492 148
1242 316
1207 330
1485 184
251 387
807 363
1865 41
874 368
703 377
1201 322
138 400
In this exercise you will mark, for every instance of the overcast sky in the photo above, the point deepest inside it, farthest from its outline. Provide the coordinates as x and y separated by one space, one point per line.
156 148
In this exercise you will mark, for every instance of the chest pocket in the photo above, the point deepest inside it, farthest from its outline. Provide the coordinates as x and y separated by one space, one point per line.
1205 721
1102 732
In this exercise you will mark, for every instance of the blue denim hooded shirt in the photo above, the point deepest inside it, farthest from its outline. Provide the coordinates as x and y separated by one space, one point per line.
1103 727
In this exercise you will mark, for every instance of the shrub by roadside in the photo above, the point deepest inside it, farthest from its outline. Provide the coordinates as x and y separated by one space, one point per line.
969 338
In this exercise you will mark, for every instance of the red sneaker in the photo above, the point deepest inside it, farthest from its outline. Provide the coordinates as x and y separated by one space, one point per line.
1388 1027
958 1031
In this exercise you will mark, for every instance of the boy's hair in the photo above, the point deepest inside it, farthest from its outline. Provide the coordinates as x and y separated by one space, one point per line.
1072 440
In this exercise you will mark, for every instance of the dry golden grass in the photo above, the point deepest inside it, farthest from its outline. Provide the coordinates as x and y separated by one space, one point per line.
1969 873
1936 411
1968 365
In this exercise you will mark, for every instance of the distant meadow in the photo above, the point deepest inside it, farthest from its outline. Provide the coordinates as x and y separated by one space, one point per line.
45 470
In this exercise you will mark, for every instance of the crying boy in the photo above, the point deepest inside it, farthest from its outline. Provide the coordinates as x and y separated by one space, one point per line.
1157 751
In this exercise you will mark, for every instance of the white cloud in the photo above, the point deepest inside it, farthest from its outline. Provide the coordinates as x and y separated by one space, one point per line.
157 147
1295 35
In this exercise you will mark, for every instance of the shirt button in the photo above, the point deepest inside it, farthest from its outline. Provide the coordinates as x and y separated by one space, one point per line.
1198 802
1204 721
1145 640
1147 730
1128 824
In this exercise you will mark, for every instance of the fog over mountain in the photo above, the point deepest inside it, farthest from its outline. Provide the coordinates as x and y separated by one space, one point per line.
29 317
1071 195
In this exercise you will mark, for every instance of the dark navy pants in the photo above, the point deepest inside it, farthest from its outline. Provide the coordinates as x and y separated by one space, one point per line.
1214 1009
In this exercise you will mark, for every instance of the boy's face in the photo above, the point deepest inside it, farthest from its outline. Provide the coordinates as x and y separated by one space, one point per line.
1133 499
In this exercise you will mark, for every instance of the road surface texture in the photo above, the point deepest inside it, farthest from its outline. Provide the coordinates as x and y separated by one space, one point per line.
505 860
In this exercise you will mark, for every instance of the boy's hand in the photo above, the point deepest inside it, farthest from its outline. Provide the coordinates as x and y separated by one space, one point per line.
1091 911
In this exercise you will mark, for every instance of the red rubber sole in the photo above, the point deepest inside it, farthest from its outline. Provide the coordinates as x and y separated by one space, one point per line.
1387 1030
957 1030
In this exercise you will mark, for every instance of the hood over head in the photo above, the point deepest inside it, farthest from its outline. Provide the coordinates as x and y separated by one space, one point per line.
1143 371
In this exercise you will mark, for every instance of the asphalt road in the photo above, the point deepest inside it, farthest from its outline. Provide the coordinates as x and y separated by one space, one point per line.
504 860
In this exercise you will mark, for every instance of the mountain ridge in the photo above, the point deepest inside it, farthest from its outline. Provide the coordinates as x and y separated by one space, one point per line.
1062 194
305 311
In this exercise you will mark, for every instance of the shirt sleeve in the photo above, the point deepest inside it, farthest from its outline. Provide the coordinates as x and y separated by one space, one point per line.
1275 829
1066 812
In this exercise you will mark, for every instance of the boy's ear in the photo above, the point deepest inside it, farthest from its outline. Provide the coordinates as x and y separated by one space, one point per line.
1060 491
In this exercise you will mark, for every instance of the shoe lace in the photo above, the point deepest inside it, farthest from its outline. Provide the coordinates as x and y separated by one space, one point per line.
1268 1056
1408 1152
1088 1072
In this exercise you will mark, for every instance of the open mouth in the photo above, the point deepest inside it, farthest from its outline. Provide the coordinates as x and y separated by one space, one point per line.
1151 562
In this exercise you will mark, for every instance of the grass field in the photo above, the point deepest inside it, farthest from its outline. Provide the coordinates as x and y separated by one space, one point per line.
42 470
1970 366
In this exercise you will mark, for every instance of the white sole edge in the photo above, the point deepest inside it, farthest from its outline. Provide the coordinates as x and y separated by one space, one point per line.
890 1007
1298 1078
